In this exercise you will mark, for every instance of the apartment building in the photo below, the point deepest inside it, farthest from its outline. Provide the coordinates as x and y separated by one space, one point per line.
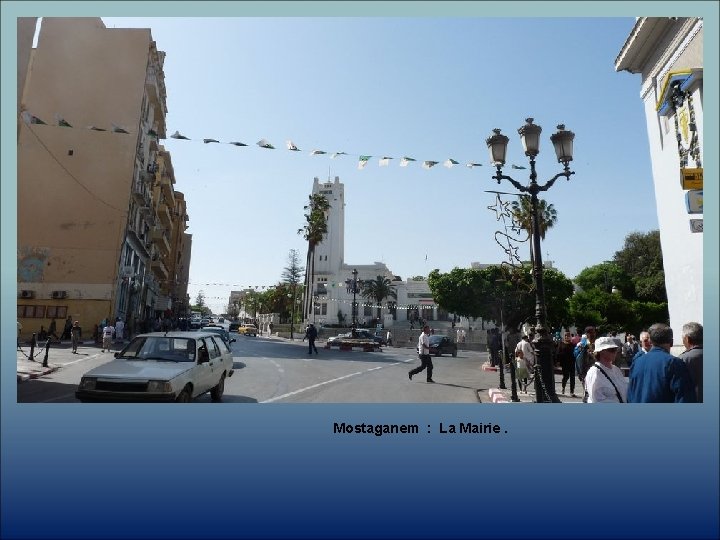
667 52
101 231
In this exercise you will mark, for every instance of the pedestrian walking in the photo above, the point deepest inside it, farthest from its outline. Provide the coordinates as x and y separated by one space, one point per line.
75 335
66 329
107 335
525 360
52 329
423 348
311 335
584 356
657 376
494 346
120 330
604 381
692 337
388 338
567 363
630 349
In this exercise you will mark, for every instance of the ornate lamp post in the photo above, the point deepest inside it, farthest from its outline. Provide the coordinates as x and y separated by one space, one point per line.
563 142
352 286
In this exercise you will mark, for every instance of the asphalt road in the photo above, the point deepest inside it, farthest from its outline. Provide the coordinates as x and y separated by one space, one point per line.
279 371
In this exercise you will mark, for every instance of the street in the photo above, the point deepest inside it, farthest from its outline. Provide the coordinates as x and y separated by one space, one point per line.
270 370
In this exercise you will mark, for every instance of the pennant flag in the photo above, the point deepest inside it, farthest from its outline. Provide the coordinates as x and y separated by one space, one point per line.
210 141
317 152
61 121
429 164
152 133
262 143
238 143
291 146
118 129
404 161
95 128
385 161
336 154
31 119
450 162
471 165
177 135
363 161
518 167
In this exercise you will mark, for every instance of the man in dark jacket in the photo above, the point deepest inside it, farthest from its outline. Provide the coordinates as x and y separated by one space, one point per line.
311 335
692 336
657 376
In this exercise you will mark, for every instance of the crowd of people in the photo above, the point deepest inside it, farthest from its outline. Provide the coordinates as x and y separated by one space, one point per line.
654 375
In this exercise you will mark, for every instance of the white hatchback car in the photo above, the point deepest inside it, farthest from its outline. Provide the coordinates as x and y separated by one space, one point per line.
170 366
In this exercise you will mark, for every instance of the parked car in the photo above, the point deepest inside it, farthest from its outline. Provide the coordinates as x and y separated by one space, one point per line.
248 330
219 330
360 333
233 327
440 345
161 366
195 324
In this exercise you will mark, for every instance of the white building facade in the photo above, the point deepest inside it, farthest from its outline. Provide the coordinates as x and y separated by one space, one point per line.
668 54
332 295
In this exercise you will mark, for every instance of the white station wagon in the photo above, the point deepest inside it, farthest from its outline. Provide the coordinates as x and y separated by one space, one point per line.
170 366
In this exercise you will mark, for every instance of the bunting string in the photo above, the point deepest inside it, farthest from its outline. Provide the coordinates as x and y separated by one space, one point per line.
383 160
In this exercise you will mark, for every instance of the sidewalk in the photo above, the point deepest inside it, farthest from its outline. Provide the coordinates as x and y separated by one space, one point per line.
59 354
497 395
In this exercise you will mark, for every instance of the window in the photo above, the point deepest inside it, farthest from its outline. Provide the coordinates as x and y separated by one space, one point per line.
59 312
31 312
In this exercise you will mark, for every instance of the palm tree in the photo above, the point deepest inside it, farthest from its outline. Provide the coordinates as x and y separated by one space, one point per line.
314 231
379 289
521 212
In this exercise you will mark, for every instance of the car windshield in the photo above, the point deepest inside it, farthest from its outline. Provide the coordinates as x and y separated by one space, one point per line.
435 340
168 349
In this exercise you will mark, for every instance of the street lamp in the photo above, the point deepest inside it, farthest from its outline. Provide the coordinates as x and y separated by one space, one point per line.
352 286
563 142
502 340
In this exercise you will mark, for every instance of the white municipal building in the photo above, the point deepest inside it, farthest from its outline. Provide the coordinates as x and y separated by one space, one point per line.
331 294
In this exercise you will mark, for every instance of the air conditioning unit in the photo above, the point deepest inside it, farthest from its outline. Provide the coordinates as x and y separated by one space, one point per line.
27 294
59 294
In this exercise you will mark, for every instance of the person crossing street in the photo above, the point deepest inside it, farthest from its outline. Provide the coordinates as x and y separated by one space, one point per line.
423 348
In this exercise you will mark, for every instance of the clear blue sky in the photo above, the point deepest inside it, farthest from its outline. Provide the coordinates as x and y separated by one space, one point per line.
428 88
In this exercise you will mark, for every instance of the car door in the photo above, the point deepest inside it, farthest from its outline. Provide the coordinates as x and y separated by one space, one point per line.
204 378
216 359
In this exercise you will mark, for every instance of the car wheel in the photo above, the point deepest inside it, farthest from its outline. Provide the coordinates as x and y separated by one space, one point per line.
437 353
454 353
216 393
185 396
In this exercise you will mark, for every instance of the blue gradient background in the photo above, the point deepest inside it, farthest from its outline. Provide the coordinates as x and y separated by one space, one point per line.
278 471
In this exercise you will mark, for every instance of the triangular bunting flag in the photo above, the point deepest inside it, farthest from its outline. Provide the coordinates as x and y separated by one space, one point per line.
450 162
177 135
61 121
235 143
429 164
317 152
291 146
385 161
471 165
262 143
517 166
336 154
206 141
118 129
363 161
404 161
95 128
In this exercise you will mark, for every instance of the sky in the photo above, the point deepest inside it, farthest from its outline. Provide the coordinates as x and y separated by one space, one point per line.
429 88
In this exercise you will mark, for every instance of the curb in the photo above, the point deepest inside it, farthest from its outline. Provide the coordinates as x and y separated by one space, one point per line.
496 396
22 377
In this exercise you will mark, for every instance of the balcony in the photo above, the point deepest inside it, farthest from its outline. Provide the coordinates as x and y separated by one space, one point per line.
161 241
158 267
163 212
139 194
167 190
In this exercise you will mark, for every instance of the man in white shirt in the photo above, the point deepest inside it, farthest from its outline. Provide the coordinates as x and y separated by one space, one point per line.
423 348
604 381
108 332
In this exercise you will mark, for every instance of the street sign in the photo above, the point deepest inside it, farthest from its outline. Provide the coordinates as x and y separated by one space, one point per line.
691 178
696 225
694 201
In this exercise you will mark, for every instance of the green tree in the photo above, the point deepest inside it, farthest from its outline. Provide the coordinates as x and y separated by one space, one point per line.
378 290
521 212
604 277
313 232
291 277
641 259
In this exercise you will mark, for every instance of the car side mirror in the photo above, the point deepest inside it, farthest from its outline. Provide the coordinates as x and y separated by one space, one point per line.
117 354
232 340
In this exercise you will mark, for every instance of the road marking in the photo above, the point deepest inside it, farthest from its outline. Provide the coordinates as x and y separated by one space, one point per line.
318 385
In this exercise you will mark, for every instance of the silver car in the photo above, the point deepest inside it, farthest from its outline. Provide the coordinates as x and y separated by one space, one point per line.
170 366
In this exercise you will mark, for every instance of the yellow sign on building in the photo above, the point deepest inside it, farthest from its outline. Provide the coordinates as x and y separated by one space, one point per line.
691 178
